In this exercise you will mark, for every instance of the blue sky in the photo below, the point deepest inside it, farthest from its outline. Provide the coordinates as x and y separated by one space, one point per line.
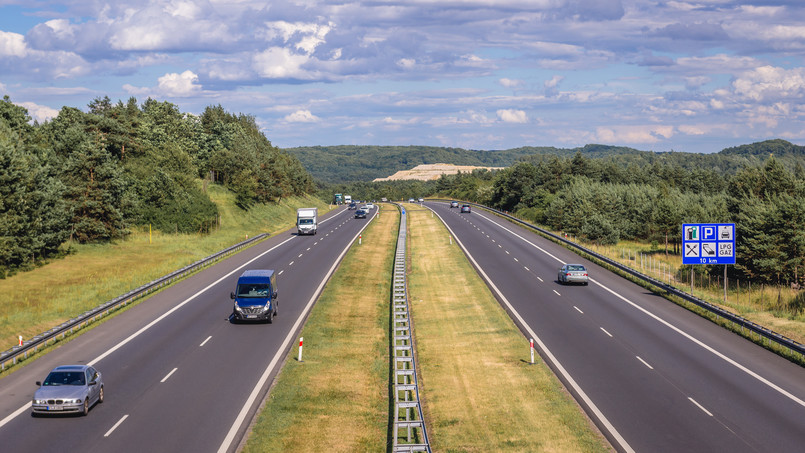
694 76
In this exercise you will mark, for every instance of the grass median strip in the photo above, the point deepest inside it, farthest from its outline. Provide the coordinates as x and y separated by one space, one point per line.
479 392
337 399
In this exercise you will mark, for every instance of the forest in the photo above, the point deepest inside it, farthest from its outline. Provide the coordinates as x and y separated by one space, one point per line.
350 163
92 176
640 197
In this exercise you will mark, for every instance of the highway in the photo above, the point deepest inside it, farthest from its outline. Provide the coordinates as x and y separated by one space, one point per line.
178 376
653 376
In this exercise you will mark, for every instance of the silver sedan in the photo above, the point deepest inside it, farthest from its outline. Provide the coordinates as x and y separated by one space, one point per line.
68 389
573 273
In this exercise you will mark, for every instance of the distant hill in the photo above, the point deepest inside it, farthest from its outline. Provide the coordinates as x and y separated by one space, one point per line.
348 163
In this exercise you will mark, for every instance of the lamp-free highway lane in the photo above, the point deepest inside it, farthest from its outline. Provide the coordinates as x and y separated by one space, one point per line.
653 376
178 375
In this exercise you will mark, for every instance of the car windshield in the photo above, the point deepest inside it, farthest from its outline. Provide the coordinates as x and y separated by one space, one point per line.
65 378
305 221
253 290
575 268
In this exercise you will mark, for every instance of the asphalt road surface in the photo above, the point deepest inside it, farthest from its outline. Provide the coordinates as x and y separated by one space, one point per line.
178 376
653 376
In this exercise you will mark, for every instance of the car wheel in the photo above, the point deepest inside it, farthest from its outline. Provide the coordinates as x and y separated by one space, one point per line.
100 395
270 318
85 410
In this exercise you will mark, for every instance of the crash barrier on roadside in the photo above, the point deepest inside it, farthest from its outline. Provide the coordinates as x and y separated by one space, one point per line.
409 433
31 346
764 335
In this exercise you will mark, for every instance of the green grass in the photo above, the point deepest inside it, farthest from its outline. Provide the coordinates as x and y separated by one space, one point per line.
478 390
337 398
35 301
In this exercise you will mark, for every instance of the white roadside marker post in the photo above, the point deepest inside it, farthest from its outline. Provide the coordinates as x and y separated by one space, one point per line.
300 349
532 351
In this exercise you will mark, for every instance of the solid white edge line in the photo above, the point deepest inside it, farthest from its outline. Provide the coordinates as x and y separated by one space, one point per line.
14 414
557 365
700 406
116 425
672 327
205 341
168 375
644 363
282 351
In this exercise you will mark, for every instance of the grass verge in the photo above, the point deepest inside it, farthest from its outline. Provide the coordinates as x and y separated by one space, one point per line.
32 302
336 399
479 392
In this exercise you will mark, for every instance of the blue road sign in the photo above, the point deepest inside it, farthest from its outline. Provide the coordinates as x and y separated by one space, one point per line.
708 243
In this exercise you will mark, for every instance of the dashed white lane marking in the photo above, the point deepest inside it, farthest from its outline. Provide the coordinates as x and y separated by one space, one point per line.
291 263
605 331
700 406
537 277
516 259
507 252
300 255
557 292
168 375
280 273
578 309
205 341
644 363
116 425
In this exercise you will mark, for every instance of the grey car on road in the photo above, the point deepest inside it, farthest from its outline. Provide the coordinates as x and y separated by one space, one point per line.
68 389
573 273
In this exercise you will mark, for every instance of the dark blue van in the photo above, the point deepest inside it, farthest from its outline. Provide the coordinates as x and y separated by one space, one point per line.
255 296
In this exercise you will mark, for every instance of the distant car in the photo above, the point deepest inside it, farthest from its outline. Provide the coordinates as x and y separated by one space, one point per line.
573 273
352 206
370 206
68 389
465 208
421 199
453 204
411 200
360 214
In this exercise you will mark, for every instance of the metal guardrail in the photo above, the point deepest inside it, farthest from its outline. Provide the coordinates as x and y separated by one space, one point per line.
32 345
763 332
409 432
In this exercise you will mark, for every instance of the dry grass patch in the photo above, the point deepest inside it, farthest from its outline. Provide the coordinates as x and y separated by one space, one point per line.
479 392
336 400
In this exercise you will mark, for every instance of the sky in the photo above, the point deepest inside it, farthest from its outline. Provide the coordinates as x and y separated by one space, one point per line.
690 76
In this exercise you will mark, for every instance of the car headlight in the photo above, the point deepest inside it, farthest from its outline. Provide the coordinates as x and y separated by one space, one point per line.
266 307
40 402
237 308
78 401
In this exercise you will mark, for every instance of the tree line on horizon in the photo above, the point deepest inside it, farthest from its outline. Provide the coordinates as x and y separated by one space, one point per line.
91 176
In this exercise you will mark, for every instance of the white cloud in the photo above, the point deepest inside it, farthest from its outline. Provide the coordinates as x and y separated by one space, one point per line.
512 116
769 83
179 85
510 83
633 134
12 44
301 116
280 63
38 112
